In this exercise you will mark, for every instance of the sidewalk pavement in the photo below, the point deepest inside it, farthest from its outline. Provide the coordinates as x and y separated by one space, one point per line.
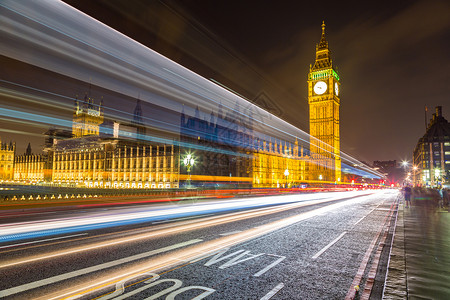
419 266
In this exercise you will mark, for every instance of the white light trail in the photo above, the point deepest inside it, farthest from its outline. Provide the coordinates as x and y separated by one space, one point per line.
69 42
168 212
177 228
200 250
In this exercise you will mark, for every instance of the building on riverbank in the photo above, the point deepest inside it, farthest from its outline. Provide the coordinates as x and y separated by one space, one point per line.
432 153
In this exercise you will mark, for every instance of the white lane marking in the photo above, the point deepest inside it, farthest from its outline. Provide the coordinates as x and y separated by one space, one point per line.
218 257
237 259
202 257
50 280
230 233
273 291
366 215
41 241
267 268
328 246
360 219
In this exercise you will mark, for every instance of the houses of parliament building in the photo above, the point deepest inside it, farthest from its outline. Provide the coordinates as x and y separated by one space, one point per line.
101 154
108 154
115 155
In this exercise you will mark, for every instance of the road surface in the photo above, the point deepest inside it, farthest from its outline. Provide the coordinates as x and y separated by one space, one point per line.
314 246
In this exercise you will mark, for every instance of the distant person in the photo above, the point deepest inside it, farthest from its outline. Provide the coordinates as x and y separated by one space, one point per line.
441 197
407 193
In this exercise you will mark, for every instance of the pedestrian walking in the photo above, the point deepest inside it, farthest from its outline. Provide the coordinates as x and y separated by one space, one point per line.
407 194
441 202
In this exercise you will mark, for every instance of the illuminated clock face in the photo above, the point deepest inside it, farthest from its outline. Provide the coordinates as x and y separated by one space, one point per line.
336 89
320 87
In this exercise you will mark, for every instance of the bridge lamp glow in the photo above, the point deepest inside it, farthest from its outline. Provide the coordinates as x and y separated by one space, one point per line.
320 177
189 162
286 173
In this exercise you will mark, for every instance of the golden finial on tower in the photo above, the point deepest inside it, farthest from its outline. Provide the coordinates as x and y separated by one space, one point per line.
323 27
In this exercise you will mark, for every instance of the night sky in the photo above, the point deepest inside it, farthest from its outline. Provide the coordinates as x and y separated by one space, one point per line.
392 57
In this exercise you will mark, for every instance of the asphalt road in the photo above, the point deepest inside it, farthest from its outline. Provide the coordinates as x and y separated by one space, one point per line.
299 249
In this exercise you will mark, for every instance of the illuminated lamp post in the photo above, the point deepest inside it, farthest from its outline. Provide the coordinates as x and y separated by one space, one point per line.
414 175
189 162
405 165
286 173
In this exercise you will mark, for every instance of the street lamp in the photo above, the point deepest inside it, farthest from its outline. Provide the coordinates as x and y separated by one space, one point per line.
405 165
189 162
286 173
414 175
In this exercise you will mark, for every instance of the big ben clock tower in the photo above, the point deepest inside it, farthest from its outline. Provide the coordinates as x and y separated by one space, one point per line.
324 101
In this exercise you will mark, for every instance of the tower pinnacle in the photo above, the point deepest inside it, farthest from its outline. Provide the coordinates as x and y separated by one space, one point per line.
323 59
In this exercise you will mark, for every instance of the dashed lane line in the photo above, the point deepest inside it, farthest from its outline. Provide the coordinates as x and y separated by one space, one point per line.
267 268
273 292
328 246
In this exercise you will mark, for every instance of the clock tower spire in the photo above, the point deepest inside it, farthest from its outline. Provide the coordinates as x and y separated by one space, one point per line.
324 101
323 55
